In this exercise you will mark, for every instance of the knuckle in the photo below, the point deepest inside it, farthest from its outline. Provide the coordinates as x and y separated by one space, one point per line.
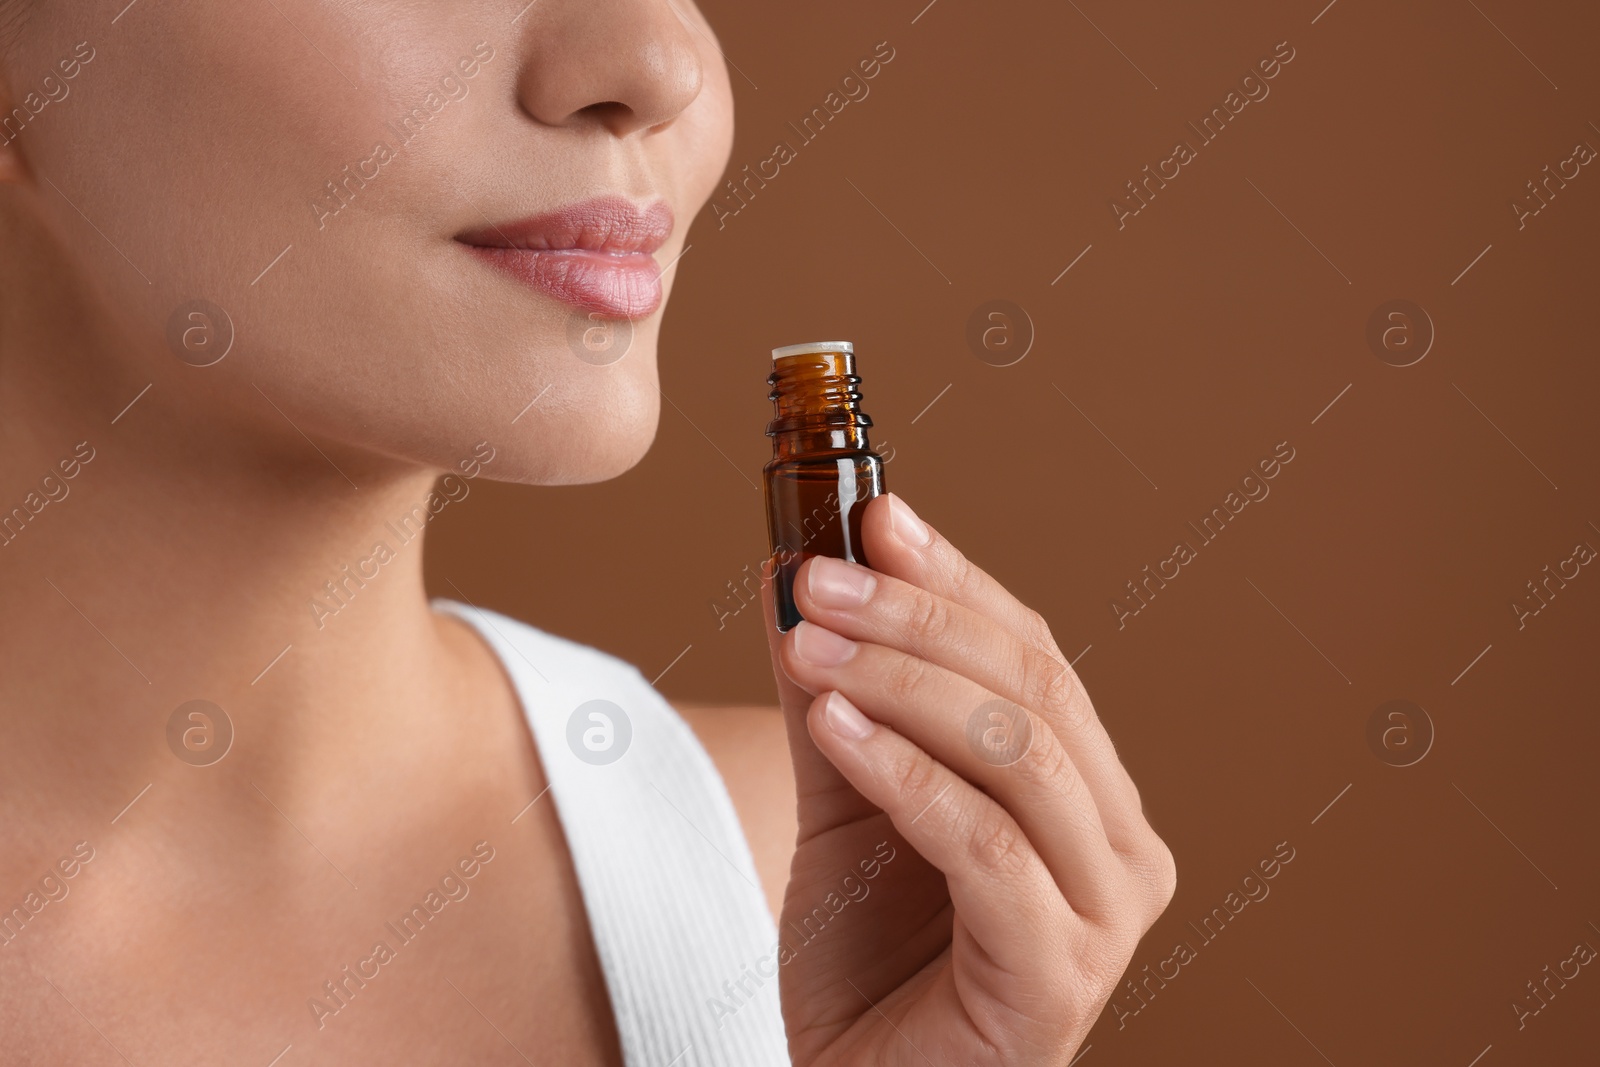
1079 713
917 777
1050 682
1166 875
1133 799
963 573
1048 763
903 677
998 845
1039 628
927 614
1156 871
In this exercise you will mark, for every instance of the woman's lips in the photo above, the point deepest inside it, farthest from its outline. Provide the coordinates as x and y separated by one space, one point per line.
625 285
594 254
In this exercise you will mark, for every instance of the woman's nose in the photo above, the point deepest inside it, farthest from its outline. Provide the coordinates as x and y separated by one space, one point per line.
624 65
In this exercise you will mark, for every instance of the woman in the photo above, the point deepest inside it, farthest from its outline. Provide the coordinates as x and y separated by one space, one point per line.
270 269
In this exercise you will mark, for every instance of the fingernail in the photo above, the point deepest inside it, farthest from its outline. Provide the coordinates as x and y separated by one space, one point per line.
906 525
845 719
821 647
833 583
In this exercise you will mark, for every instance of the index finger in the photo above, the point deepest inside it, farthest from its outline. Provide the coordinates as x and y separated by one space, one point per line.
900 544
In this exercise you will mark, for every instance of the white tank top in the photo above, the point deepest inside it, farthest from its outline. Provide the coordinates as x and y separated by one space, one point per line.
680 924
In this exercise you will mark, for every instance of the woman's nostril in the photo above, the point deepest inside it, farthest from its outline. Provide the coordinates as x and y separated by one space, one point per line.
609 112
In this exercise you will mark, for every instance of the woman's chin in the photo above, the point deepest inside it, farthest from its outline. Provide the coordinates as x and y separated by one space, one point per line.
610 459
600 439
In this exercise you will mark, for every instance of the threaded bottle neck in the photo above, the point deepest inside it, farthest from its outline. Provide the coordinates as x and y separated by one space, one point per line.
816 406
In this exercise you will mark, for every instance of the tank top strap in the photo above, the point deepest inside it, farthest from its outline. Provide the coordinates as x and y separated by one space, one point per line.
680 925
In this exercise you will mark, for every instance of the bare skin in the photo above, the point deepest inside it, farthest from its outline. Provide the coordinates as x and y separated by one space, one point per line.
178 524
176 161
749 745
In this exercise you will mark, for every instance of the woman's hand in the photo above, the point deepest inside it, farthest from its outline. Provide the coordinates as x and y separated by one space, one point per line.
973 869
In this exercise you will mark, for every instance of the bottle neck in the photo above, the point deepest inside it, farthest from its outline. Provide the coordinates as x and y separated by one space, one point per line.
815 405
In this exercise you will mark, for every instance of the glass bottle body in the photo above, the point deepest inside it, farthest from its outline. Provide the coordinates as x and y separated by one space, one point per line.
823 470
814 508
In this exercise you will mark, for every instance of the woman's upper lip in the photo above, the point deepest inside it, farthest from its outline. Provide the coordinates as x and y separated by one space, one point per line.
599 224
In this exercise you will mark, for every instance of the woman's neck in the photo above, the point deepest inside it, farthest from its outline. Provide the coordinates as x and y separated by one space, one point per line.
151 555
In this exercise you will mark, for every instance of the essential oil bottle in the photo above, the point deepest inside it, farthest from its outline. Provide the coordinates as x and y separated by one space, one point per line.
823 469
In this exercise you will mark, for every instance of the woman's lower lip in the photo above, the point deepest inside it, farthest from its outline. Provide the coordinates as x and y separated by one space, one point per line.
621 285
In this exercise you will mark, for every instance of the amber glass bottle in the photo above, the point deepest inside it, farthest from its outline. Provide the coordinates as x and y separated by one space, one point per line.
823 469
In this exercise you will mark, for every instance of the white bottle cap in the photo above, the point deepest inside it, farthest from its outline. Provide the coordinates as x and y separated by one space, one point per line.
814 347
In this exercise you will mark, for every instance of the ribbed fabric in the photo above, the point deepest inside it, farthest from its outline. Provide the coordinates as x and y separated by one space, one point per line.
680 924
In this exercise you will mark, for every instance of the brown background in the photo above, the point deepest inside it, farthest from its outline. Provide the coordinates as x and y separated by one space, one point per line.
1198 337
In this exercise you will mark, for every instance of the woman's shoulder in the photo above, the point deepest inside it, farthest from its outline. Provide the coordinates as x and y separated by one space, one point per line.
749 745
